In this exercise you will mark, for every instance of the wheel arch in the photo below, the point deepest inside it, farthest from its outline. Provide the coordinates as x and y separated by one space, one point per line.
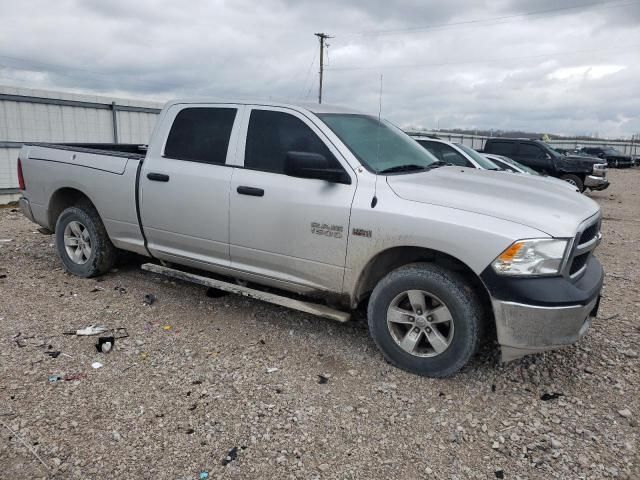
63 198
396 257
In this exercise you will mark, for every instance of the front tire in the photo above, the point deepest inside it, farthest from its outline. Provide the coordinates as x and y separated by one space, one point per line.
82 242
575 181
425 319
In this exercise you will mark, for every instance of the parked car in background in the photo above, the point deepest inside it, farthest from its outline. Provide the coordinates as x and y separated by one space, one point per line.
509 165
614 158
337 207
455 153
583 172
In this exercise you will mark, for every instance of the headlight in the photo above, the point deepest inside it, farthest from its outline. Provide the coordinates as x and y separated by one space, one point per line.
541 256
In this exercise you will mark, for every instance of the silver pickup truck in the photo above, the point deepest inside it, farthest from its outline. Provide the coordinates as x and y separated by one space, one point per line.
334 211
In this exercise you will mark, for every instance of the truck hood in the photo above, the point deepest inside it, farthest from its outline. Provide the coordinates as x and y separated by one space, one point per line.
525 199
585 163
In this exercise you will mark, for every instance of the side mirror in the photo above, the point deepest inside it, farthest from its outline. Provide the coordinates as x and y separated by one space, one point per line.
313 165
601 155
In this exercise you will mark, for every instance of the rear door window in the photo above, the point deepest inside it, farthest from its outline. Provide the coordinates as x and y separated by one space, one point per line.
201 134
501 148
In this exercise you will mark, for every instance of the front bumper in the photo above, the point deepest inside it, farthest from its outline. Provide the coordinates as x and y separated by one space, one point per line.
537 314
25 207
525 329
596 183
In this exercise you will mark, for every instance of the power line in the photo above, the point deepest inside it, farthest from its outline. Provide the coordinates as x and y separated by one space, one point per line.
490 60
307 76
500 19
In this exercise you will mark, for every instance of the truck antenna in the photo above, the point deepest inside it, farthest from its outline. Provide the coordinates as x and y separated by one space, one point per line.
374 200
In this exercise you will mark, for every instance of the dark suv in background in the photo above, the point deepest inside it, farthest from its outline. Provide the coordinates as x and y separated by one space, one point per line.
614 158
583 172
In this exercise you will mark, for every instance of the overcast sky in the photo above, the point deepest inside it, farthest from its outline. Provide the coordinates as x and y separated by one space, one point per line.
556 66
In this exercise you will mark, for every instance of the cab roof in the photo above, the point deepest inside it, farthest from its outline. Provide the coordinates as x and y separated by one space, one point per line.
300 106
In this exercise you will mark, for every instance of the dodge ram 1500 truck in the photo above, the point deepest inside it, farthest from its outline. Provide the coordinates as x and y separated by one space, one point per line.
334 211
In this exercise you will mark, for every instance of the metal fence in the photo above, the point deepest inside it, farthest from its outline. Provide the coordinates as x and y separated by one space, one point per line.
477 142
30 116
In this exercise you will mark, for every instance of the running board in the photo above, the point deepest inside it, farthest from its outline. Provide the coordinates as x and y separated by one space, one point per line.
308 307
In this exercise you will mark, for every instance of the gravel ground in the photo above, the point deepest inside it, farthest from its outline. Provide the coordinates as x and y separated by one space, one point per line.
195 387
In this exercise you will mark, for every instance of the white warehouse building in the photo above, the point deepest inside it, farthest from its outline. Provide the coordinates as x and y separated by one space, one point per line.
29 116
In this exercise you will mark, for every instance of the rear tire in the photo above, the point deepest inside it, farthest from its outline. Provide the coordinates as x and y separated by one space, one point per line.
574 180
447 324
82 242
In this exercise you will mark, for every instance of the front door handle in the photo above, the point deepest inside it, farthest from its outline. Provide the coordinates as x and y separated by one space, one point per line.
253 191
158 177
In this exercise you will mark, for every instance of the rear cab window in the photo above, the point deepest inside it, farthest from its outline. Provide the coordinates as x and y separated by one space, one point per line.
201 134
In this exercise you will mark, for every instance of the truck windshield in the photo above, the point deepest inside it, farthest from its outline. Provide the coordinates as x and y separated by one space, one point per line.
482 161
379 145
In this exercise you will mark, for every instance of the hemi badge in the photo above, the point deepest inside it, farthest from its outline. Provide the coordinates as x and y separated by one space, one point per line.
360 232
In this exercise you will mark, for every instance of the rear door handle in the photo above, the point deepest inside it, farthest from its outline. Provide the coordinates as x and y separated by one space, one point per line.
158 177
253 191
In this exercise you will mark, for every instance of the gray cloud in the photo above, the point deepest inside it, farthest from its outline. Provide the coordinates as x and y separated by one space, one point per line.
572 71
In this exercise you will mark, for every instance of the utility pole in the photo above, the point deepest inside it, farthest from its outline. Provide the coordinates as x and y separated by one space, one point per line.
322 37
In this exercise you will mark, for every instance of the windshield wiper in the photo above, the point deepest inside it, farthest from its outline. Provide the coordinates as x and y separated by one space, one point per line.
403 168
439 163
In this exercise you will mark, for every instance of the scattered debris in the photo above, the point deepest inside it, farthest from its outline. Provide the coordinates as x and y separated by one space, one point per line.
52 353
626 413
545 397
3 273
166 328
54 378
231 456
96 365
323 379
105 344
272 369
6 240
97 289
149 299
203 475
90 330
499 473
120 289
74 377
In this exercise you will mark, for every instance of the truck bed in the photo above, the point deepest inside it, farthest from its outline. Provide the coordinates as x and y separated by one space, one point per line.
107 174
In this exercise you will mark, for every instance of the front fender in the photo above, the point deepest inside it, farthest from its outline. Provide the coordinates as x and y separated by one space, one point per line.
473 239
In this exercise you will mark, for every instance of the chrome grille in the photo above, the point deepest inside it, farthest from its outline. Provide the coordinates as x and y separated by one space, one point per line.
585 241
